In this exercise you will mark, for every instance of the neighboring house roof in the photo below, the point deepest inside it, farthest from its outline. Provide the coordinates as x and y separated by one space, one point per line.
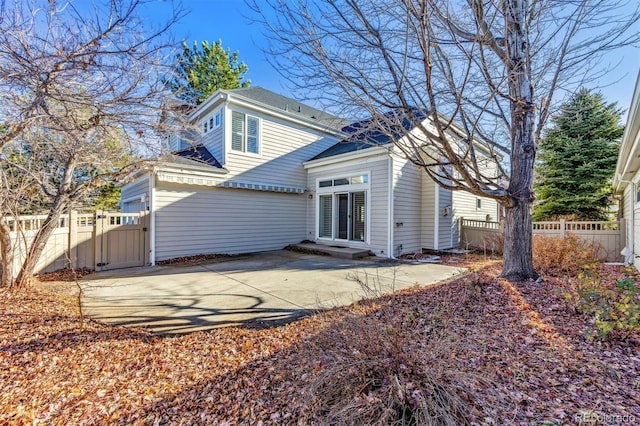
367 134
198 153
629 154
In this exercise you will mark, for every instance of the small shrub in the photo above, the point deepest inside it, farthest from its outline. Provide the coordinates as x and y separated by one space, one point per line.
381 379
555 256
493 244
373 286
616 310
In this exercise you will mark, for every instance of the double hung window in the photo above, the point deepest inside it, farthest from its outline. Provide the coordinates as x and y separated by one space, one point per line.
245 133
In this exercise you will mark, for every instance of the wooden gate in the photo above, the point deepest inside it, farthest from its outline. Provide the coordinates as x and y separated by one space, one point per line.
121 240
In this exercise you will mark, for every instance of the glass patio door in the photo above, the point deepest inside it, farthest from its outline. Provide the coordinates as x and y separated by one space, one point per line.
357 216
350 216
342 201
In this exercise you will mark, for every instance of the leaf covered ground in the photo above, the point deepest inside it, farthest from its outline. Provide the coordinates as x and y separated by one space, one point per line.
477 349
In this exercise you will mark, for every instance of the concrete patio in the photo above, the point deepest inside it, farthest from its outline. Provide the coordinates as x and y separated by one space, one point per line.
258 290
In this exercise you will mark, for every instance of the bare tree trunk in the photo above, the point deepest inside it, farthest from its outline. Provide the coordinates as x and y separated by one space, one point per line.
38 244
518 256
50 223
6 252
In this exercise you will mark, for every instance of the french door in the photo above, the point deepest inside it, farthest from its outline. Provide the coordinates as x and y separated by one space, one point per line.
346 220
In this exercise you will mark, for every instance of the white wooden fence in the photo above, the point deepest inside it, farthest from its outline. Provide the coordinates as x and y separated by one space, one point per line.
80 239
608 236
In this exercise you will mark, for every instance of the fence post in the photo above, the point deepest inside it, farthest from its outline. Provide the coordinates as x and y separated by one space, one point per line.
562 228
73 239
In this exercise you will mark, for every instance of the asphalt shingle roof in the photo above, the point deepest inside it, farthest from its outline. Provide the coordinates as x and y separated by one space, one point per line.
366 134
291 106
198 154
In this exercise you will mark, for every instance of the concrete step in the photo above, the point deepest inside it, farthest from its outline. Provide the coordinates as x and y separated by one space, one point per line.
341 252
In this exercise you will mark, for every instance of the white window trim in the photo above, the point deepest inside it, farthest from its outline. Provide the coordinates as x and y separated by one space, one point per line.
341 189
216 113
209 119
229 134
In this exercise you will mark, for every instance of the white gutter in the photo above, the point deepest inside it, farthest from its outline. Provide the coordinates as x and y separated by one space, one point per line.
212 100
152 214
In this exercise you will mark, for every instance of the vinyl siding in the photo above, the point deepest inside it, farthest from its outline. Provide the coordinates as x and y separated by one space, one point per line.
283 148
138 187
428 213
636 237
194 220
378 168
633 209
446 239
407 206
627 214
213 140
464 206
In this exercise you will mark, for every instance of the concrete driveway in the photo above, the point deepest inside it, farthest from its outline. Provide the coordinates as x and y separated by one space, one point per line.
258 290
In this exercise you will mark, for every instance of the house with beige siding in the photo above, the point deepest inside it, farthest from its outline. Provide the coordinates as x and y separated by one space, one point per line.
626 182
266 171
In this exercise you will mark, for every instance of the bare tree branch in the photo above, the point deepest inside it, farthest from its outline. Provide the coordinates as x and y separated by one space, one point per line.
81 96
485 73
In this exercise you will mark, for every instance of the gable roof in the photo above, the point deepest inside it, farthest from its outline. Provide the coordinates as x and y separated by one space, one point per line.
366 134
266 99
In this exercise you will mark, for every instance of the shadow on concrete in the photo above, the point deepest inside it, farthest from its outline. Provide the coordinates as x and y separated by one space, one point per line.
187 314
257 291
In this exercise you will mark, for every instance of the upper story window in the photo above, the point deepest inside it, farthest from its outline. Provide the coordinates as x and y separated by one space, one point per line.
245 133
212 122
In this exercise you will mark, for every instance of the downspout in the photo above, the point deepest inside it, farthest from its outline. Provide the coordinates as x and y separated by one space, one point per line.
152 215
436 219
390 253
225 108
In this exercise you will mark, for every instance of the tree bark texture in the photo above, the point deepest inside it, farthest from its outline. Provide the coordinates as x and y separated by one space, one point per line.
518 233
50 223
6 253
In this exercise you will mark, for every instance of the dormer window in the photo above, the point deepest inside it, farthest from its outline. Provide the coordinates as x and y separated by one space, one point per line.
245 133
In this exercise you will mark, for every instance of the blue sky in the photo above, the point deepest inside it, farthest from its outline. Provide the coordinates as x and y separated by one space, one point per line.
228 20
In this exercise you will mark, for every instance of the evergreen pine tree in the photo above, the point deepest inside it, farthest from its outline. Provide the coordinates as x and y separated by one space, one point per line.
577 159
200 71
